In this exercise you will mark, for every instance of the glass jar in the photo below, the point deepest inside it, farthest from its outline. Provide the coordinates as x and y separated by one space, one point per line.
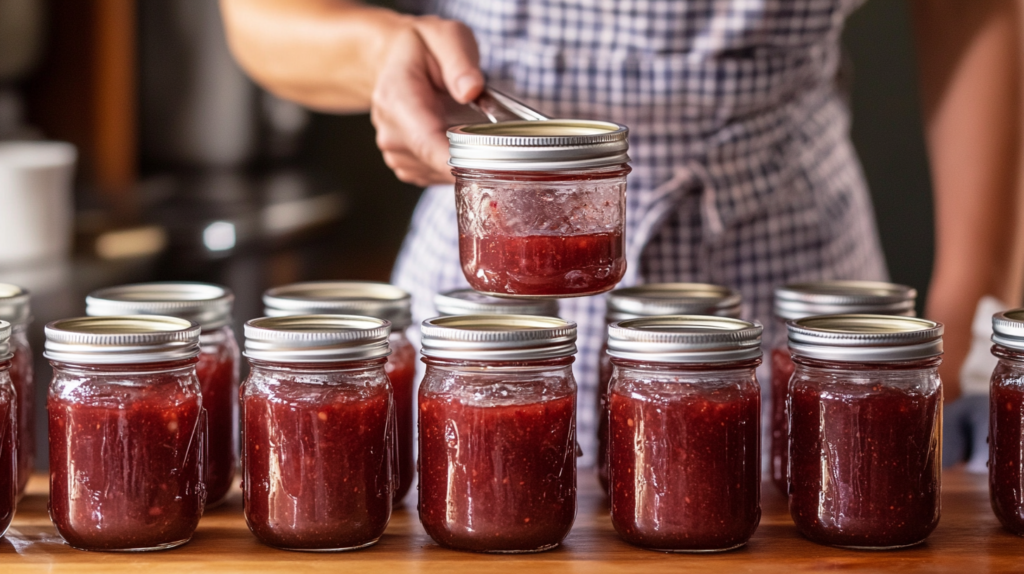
318 455
541 206
470 302
652 300
497 419
369 299
14 309
219 358
9 477
865 423
800 300
1006 421
127 432
684 451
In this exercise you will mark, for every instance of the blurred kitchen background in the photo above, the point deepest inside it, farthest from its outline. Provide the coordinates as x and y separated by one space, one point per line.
187 171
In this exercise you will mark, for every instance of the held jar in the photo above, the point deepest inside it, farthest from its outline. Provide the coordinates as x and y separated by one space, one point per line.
470 302
14 309
9 471
800 300
1006 421
127 432
497 419
684 451
865 404
541 206
219 357
378 300
318 456
648 301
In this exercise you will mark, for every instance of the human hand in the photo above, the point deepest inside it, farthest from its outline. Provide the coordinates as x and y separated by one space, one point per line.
431 60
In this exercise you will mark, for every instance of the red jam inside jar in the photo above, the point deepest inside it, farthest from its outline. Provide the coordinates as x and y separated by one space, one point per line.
21 373
126 455
782 370
401 370
1006 435
318 454
497 455
218 377
604 377
8 457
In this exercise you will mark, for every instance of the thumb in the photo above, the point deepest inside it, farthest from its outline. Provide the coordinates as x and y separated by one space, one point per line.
454 49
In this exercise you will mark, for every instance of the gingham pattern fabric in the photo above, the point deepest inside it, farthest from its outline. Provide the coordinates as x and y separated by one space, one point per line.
744 174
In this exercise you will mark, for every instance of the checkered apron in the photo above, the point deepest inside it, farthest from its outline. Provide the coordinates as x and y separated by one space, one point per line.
743 170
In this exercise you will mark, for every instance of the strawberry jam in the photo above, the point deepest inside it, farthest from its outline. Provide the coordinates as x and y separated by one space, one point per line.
218 377
1006 421
782 370
22 373
8 458
401 370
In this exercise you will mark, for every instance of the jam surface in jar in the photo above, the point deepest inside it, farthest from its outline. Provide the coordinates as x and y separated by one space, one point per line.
218 377
864 460
685 465
22 373
497 478
401 370
782 370
126 454
318 455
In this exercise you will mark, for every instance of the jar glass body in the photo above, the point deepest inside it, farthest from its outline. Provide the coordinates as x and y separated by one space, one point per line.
497 457
127 445
604 377
318 466
1006 435
782 368
864 451
9 461
218 377
542 234
684 455
401 369
22 376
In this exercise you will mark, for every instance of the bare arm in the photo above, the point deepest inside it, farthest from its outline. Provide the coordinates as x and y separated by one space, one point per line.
343 56
969 62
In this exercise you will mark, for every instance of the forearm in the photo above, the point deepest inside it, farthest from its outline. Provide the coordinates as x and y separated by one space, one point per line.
968 53
324 54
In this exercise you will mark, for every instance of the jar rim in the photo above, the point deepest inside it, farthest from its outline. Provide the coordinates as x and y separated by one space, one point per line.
15 304
316 338
799 300
121 339
207 304
538 145
368 298
685 339
498 337
673 299
1008 329
470 302
862 338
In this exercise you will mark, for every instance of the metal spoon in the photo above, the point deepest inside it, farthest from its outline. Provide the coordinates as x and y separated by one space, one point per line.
501 107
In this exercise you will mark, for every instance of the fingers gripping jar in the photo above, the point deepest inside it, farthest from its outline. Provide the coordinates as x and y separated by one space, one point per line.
497 419
219 357
470 302
378 300
127 432
865 417
800 300
14 309
648 301
1006 421
684 432
541 206
318 455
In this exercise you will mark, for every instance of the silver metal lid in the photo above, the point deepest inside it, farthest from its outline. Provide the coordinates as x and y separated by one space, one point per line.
1008 329
800 300
14 304
317 338
365 298
203 303
470 302
121 340
673 299
6 353
865 338
498 337
545 145
685 339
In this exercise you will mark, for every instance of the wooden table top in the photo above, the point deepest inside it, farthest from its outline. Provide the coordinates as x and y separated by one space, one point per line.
968 539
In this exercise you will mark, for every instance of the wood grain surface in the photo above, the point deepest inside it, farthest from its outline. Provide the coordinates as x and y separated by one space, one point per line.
968 539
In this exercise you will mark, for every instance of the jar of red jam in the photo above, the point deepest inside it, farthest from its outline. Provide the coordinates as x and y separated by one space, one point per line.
219 357
1006 421
497 420
318 432
470 302
541 206
800 300
865 423
684 450
378 300
9 470
127 432
649 301
14 309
